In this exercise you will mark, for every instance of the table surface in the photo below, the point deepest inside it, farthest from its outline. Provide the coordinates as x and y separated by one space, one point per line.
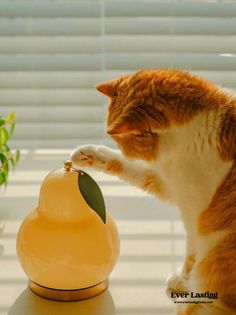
152 246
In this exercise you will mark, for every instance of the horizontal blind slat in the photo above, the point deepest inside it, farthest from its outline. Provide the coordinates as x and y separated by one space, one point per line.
125 61
117 43
59 143
170 43
61 97
51 79
140 25
171 25
189 61
49 27
57 114
113 9
49 9
47 44
58 130
32 62
87 79
134 8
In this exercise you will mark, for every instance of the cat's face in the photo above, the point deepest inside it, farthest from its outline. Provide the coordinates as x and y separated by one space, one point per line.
147 103
127 123
130 120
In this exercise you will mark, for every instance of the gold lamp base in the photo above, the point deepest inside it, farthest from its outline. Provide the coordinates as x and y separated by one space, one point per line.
68 295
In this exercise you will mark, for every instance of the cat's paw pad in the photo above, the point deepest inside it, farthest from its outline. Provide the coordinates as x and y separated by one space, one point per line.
88 155
176 283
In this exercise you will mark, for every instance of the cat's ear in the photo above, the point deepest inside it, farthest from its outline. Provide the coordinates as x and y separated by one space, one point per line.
107 88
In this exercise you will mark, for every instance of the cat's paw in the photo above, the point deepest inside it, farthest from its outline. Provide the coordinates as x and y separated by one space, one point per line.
89 155
176 282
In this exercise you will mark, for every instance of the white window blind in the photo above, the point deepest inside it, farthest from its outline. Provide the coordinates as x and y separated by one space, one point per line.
53 53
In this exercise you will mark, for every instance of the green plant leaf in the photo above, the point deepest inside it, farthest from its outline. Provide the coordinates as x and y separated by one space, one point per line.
3 136
17 158
2 157
10 118
8 159
11 159
12 129
92 194
2 121
3 179
6 169
5 148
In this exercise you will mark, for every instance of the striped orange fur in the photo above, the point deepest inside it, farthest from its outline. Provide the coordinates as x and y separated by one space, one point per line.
144 106
177 133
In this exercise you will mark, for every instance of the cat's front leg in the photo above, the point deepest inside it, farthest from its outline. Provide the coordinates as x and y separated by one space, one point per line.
137 173
179 281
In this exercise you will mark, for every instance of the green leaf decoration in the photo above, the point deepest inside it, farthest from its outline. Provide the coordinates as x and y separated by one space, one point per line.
92 194
3 136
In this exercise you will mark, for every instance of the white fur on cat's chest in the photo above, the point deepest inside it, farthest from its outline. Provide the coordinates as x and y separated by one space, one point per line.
189 163
191 183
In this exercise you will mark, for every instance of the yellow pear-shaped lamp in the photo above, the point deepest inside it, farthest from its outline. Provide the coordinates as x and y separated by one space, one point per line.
68 245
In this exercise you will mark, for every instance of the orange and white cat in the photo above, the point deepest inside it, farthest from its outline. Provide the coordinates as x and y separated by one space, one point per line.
177 136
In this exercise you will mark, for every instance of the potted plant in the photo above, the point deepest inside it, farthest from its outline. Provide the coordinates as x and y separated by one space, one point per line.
8 158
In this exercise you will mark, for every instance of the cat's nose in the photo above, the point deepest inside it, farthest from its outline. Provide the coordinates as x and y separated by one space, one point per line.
109 131
115 129
113 132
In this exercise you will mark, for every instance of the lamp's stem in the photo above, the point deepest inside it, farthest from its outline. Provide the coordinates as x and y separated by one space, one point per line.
68 166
